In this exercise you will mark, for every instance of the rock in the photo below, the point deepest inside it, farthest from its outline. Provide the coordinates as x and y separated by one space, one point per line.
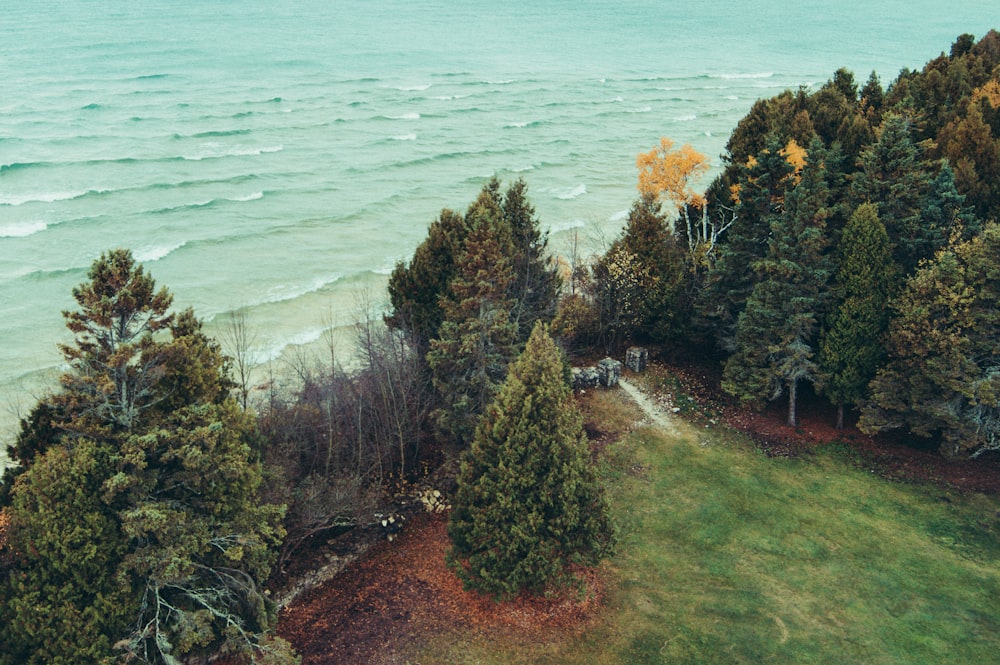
637 358
609 371
585 377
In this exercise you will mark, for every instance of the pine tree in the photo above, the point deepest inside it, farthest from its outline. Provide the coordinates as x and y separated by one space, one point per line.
853 348
775 338
477 339
895 177
152 543
665 306
61 603
528 505
759 195
536 284
942 378
416 289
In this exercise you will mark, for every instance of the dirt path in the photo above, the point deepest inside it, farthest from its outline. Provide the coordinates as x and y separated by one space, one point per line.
655 413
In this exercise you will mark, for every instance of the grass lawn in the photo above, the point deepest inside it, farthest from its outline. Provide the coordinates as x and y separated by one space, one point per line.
728 556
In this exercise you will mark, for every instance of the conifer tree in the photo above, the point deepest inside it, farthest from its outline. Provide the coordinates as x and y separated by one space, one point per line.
664 305
152 544
775 338
60 603
895 177
528 505
942 378
536 283
477 339
416 289
760 195
853 347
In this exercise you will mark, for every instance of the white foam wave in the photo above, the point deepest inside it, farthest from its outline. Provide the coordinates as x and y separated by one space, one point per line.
216 150
150 253
744 75
277 347
516 125
570 192
413 88
643 109
686 118
405 116
285 292
249 197
405 137
567 226
448 98
38 197
619 216
22 229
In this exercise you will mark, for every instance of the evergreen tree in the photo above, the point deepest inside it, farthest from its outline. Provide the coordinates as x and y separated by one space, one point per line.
528 504
894 176
853 348
943 373
665 305
872 99
536 283
61 603
775 336
477 339
760 195
153 542
416 289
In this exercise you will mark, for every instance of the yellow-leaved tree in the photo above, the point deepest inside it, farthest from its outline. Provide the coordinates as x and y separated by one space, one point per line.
668 174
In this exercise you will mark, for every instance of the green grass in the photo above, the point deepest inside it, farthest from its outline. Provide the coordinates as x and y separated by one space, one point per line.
728 556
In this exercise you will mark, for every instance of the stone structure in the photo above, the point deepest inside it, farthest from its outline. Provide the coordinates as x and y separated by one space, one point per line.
585 377
609 370
637 358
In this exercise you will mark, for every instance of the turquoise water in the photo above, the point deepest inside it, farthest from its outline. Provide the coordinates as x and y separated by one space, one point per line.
282 155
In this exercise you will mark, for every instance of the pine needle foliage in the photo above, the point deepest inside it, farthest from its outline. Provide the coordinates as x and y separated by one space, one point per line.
528 505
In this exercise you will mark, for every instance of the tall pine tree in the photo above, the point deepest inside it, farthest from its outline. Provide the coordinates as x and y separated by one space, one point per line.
153 543
775 337
528 505
853 347
477 339
759 196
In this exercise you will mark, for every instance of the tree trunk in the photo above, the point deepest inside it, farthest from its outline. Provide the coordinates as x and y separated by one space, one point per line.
840 416
792 390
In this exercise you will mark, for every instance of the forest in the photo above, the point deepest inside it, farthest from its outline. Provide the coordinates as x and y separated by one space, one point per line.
849 250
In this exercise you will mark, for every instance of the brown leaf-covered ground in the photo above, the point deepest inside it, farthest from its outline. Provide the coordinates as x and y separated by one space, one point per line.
380 609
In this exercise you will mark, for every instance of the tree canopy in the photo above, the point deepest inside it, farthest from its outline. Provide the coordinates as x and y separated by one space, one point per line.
137 530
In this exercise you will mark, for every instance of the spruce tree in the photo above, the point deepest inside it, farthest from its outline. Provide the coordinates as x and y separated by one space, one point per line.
895 177
536 283
665 304
416 289
853 347
528 505
760 195
775 337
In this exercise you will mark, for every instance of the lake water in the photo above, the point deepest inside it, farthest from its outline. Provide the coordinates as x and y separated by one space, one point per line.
283 156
